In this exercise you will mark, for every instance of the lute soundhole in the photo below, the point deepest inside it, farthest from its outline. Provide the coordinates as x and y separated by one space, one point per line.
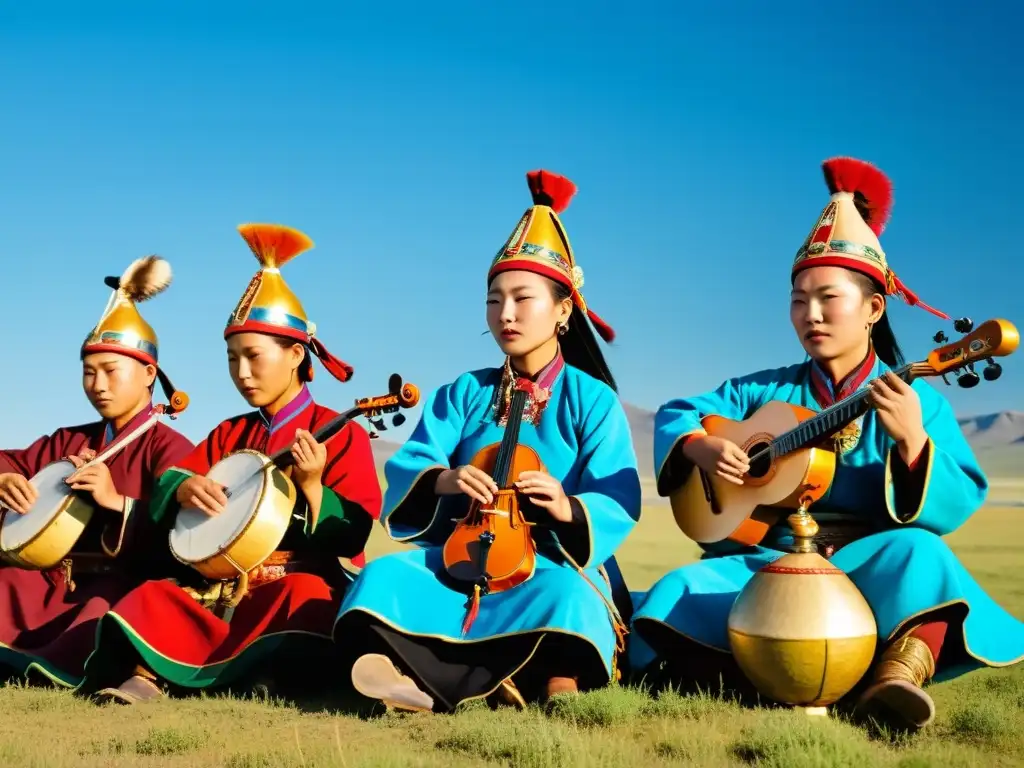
761 467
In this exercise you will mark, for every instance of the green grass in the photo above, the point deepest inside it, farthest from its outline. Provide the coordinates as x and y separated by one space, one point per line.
980 717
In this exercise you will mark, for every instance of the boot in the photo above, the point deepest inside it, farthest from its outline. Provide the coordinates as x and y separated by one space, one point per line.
557 685
376 677
141 686
895 693
506 695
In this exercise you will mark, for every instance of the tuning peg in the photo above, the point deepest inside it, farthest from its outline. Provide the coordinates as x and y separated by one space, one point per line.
992 371
968 379
399 418
940 337
963 325
945 380
394 384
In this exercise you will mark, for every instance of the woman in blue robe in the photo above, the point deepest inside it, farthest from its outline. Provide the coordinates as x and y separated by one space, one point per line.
420 638
904 478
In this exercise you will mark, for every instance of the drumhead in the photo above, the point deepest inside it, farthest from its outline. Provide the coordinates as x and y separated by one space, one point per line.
196 535
18 529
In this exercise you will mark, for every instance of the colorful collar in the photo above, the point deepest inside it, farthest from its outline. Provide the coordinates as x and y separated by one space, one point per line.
826 392
110 433
296 406
538 388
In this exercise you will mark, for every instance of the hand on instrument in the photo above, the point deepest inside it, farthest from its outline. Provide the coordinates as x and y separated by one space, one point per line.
202 493
17 492
545 492
469 480
97 481
86 454
718 456
899 409
310 459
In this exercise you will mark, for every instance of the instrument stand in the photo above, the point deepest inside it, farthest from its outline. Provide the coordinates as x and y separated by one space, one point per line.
805 528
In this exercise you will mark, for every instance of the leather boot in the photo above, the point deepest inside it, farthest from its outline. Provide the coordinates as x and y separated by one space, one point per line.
557 685
141 686
506 695
896 693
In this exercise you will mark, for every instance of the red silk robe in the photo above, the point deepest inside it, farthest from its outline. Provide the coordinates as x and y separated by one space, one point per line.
192 644
48 624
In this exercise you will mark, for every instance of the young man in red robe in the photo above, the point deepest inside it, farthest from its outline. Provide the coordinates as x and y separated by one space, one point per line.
48 619
190 633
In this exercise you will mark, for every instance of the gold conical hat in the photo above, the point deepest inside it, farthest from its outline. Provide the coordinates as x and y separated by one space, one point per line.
847 230
268 305
540 244
121 328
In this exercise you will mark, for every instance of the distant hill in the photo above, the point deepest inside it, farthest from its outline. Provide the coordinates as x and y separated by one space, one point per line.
997 439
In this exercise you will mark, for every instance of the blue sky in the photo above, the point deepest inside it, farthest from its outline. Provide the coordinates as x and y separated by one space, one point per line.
398 139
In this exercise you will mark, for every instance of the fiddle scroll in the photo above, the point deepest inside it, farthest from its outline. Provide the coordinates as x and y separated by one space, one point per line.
492 547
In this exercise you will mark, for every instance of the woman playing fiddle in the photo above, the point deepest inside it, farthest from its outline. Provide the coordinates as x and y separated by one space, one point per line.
191 634
423 639
904 477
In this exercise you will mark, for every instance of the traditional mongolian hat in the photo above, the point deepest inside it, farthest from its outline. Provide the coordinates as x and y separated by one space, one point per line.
121 328
846 233
539 243
268 304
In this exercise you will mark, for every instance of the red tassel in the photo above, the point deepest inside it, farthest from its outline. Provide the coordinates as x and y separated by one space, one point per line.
912 300
474 610
339 369
550 189
871 188
604 330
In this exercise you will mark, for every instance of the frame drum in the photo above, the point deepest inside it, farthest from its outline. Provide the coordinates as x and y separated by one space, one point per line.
44 536
251 526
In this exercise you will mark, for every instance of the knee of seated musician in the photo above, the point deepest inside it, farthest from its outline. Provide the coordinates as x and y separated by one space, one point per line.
895 551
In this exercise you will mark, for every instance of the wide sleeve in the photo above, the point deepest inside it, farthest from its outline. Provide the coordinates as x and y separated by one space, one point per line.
410 505
168 448
946 485
680 419
351 497
197 461
606 500
28 461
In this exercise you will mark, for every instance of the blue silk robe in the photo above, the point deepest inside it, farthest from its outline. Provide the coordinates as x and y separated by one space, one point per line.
904 569
583 440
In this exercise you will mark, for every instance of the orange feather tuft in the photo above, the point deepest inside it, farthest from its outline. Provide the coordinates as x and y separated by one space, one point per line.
872 190
274 244
550 189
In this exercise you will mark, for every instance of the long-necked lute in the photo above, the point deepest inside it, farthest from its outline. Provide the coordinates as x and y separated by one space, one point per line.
262 497
792 449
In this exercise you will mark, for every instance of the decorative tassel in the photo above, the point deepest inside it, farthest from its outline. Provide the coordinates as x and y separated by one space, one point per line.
474 610
900 288
550 189
274 244
339 369
604 330
871 188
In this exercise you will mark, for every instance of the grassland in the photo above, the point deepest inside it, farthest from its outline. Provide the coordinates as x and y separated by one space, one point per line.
980 721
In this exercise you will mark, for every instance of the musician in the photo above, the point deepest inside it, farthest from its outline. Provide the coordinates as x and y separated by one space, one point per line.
426 641
48 619
904 477
192 634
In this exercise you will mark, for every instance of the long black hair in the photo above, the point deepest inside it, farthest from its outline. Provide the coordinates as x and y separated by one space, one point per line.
882 337
305 370
579 344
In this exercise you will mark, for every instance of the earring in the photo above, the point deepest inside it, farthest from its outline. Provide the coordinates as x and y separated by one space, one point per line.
562 328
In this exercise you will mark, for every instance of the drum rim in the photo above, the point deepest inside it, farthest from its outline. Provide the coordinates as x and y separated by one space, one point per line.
69 501
248 523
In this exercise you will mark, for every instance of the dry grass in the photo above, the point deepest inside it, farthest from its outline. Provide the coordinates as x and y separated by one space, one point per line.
980 722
